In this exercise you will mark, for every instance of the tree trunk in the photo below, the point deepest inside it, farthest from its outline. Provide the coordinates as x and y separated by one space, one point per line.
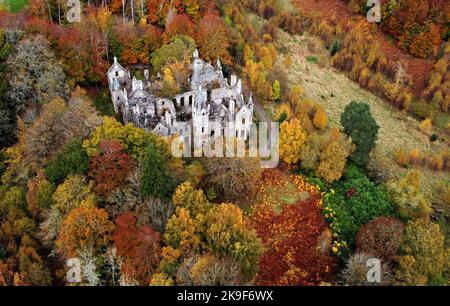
50 11
132 10
123 10
142 8
59 13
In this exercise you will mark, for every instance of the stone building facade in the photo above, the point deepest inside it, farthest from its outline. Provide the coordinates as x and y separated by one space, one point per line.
214 106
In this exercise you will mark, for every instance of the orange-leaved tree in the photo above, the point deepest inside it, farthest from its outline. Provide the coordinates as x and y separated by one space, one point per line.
139 247
110 168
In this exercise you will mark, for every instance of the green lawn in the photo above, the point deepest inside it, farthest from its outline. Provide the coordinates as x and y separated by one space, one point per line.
13 6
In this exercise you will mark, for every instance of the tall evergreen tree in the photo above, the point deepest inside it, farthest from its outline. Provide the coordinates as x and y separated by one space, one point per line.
359 124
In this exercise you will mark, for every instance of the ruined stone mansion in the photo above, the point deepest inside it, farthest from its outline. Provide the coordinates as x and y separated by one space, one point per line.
214 106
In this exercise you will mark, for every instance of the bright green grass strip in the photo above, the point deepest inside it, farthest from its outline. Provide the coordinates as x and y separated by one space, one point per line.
312 59
14 6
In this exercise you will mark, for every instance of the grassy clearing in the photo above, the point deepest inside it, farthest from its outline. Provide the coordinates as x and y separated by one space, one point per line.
277 189
14 6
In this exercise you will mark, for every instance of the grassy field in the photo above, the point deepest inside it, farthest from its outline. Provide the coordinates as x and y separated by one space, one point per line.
13 6
325 85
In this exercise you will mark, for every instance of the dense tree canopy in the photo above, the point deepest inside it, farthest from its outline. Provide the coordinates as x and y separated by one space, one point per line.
354 202
297 245
71 160
156 180
84 227
423 256
76 184
180 48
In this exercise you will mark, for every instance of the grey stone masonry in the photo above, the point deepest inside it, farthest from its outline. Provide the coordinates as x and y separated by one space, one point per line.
214 107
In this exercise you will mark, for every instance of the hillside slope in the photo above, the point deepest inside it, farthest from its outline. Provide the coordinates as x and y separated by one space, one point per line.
324 84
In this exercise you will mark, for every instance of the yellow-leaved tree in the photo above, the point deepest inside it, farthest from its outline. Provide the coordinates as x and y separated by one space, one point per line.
292 139
320 118
334 151
227 233
194 200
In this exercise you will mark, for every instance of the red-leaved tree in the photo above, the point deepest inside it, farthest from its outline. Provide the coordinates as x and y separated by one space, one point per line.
180 25
110 168
139 247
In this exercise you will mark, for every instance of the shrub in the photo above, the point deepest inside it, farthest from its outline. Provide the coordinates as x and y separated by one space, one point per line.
402 158
312 59
320 118
232 178
335 48
422 109
434 137
426 125
283 117
356 269
381 237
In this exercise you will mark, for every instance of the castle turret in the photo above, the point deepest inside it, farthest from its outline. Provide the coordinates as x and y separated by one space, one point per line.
197 67
117 96
233 80
232 107
137 84
200 117
219 64
168 119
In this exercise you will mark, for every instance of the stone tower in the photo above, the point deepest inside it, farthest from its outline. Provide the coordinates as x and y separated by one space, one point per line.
197 66
200 117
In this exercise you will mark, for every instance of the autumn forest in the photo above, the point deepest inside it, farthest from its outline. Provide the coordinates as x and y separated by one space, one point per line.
363 111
